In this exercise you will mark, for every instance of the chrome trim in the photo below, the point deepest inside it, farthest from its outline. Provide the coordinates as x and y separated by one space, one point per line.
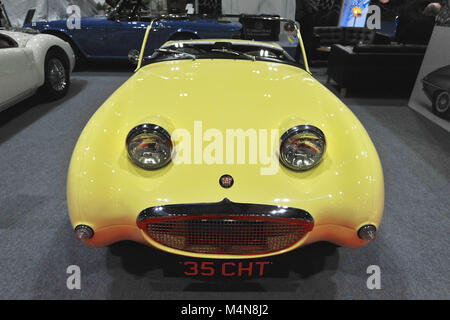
294 130
224 208
57 75
367 232
148 128
301 128
84 228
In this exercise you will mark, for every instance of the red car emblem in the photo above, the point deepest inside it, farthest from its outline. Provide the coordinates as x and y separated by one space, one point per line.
226 181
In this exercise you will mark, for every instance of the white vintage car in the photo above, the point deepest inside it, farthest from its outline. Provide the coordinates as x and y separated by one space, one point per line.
31 62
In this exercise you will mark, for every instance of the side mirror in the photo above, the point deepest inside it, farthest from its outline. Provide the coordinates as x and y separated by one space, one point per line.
133 56
289 27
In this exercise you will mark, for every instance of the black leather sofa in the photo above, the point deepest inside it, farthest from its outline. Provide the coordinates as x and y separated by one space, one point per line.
325 37
366 66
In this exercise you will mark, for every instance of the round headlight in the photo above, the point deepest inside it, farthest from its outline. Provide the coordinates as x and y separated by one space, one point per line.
302 147
149 146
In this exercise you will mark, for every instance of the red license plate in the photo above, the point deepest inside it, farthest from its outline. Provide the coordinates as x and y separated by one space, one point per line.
242 268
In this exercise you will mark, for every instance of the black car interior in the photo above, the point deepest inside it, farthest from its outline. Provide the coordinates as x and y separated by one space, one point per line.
7 42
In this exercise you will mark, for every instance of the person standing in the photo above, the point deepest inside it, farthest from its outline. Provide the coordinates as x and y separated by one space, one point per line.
416 21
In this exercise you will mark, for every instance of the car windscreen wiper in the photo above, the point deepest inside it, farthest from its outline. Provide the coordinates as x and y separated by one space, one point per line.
189 46
234 52
173 51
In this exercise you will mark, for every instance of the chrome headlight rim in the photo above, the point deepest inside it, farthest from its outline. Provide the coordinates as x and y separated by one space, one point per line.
151 129
83 232
367 232
296 130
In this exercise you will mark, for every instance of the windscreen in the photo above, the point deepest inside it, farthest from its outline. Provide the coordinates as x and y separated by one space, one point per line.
4 22
275 39
205 49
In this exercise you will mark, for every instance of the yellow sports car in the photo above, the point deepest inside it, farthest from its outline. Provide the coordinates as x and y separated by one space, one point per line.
224 149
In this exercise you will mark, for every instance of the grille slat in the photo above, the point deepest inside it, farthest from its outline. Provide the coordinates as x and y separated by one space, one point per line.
236 235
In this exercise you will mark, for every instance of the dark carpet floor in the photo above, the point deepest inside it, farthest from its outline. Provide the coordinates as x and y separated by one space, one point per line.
37 244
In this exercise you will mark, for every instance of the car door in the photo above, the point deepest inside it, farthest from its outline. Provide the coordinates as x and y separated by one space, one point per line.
15 68
124 36
92 37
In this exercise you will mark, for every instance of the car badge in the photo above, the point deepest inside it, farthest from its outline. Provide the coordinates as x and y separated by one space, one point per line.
226 181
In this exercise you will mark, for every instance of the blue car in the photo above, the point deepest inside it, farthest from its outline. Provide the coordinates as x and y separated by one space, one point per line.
123 29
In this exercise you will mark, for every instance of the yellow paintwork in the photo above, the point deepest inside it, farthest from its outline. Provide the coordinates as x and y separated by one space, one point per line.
107 192
302 47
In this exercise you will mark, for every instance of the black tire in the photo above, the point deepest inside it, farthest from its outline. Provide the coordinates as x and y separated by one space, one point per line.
57 75
441 104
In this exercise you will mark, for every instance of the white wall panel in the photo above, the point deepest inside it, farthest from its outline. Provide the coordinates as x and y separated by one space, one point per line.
45 9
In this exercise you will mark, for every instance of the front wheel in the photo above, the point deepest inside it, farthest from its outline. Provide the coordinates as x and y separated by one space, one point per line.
441 104
57 75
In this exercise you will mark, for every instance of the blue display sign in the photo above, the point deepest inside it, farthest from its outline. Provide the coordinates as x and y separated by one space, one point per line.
354 13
